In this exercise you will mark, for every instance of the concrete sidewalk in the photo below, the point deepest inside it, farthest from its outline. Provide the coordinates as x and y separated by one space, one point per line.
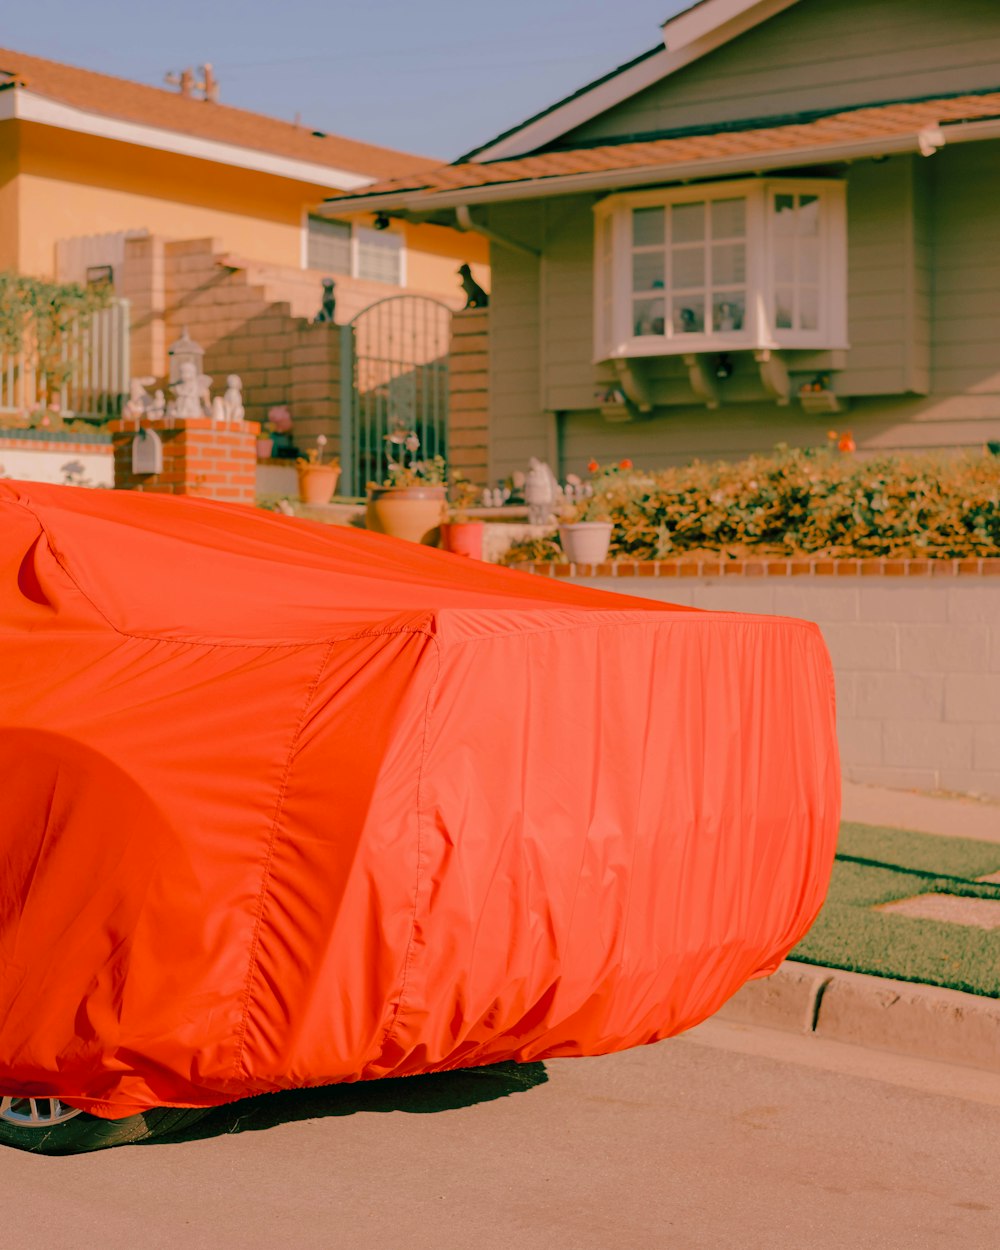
923 1021
908 809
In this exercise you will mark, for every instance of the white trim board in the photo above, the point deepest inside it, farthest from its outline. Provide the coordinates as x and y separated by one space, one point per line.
17 103
687 37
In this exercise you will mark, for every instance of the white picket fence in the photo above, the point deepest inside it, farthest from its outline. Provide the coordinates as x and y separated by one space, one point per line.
97 385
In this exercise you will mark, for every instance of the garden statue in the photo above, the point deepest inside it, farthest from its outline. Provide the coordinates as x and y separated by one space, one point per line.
139 404
219 410
540 492
329 305
475 296
234 398
191 397
157 409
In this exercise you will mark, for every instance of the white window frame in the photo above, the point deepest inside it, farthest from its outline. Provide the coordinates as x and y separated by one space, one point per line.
758 330
402 253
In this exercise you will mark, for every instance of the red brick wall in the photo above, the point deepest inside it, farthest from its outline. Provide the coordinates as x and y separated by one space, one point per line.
468 415
200 457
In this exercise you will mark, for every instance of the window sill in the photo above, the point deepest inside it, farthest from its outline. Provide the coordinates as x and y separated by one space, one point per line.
699 345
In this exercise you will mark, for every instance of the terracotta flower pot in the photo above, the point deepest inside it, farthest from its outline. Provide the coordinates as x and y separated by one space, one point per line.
264 448
586 542
410 512
317 482
464 538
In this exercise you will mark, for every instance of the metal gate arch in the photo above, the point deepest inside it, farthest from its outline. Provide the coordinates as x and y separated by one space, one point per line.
394 376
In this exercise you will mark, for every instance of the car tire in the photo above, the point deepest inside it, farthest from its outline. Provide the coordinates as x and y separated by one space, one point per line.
59 1130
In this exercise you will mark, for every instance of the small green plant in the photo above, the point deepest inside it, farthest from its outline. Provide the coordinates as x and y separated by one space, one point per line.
403 471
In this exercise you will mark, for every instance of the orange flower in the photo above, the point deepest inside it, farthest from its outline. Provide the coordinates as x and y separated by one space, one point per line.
592 466
625 464
846 442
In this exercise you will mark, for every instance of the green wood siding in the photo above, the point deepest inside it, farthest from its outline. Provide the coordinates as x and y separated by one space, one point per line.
517 425
821 55
923 369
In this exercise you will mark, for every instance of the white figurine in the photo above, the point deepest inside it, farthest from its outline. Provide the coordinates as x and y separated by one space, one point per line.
191 397
540 491
138 404
234 398
219 409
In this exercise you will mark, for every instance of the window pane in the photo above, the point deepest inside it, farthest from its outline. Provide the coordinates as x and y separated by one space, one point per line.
687 223
809 259
379 255
784 305
647 227
808 308
808 214
328 245
689 314
728 311
784 260
728 219
647 317
784 214
688 268
647 270
729 264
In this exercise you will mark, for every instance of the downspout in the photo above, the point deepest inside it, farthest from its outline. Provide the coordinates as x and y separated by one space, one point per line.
464 220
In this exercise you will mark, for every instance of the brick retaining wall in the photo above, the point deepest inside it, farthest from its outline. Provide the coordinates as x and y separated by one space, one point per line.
916 652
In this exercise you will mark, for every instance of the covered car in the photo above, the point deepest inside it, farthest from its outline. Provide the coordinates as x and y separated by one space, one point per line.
287 804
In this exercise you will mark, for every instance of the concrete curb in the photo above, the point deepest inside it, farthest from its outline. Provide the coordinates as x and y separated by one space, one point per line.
919 1020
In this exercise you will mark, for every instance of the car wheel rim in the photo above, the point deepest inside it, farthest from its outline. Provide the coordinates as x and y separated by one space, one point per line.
35 1112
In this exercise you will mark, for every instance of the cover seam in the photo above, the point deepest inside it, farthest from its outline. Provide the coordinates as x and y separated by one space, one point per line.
239 1070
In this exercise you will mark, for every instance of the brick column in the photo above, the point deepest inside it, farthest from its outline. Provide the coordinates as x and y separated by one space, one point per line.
201 457
468 404
314 385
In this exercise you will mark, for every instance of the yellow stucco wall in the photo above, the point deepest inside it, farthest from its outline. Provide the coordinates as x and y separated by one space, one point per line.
55 185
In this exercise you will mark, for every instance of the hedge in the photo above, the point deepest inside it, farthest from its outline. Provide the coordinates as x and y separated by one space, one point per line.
815 502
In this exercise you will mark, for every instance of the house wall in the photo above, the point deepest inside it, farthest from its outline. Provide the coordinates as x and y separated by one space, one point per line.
817 56
922 372
59 186
9 232
518 426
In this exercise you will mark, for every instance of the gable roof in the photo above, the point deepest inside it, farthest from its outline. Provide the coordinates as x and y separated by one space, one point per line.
35 89
687 36
907 126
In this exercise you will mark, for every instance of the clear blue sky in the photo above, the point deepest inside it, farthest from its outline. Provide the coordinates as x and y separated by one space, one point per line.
437 77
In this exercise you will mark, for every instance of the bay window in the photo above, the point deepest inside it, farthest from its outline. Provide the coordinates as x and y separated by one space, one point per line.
752 265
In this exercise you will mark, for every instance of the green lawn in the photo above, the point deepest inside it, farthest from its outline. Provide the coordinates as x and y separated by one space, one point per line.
880 865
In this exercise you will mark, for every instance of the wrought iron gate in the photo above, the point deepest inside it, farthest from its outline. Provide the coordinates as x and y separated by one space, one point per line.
394 376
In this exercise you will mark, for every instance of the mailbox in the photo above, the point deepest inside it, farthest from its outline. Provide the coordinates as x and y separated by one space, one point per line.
147 452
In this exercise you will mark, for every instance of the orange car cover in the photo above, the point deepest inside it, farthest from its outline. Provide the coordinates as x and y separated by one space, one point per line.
286 804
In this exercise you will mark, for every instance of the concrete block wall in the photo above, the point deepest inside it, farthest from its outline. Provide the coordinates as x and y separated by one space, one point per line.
63 460
917 661
468 404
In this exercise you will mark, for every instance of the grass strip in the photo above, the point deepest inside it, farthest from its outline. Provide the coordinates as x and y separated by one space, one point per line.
876 865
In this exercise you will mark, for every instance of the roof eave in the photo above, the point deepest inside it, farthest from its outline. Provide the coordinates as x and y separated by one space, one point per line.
24 105
925 140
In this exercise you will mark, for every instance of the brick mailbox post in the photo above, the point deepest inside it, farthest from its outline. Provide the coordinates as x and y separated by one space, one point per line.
201 457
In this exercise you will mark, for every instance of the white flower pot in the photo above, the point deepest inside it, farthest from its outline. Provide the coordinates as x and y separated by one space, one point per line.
586 542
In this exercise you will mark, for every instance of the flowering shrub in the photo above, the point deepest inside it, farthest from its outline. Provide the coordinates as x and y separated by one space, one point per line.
801 502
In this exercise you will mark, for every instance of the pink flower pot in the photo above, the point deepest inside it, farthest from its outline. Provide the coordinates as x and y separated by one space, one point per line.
464 538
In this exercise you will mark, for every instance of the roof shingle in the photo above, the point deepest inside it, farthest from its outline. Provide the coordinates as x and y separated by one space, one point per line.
169 110
876 122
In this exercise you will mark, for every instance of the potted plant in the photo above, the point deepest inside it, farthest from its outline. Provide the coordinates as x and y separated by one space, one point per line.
460 535
317 480
410 502
585 527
